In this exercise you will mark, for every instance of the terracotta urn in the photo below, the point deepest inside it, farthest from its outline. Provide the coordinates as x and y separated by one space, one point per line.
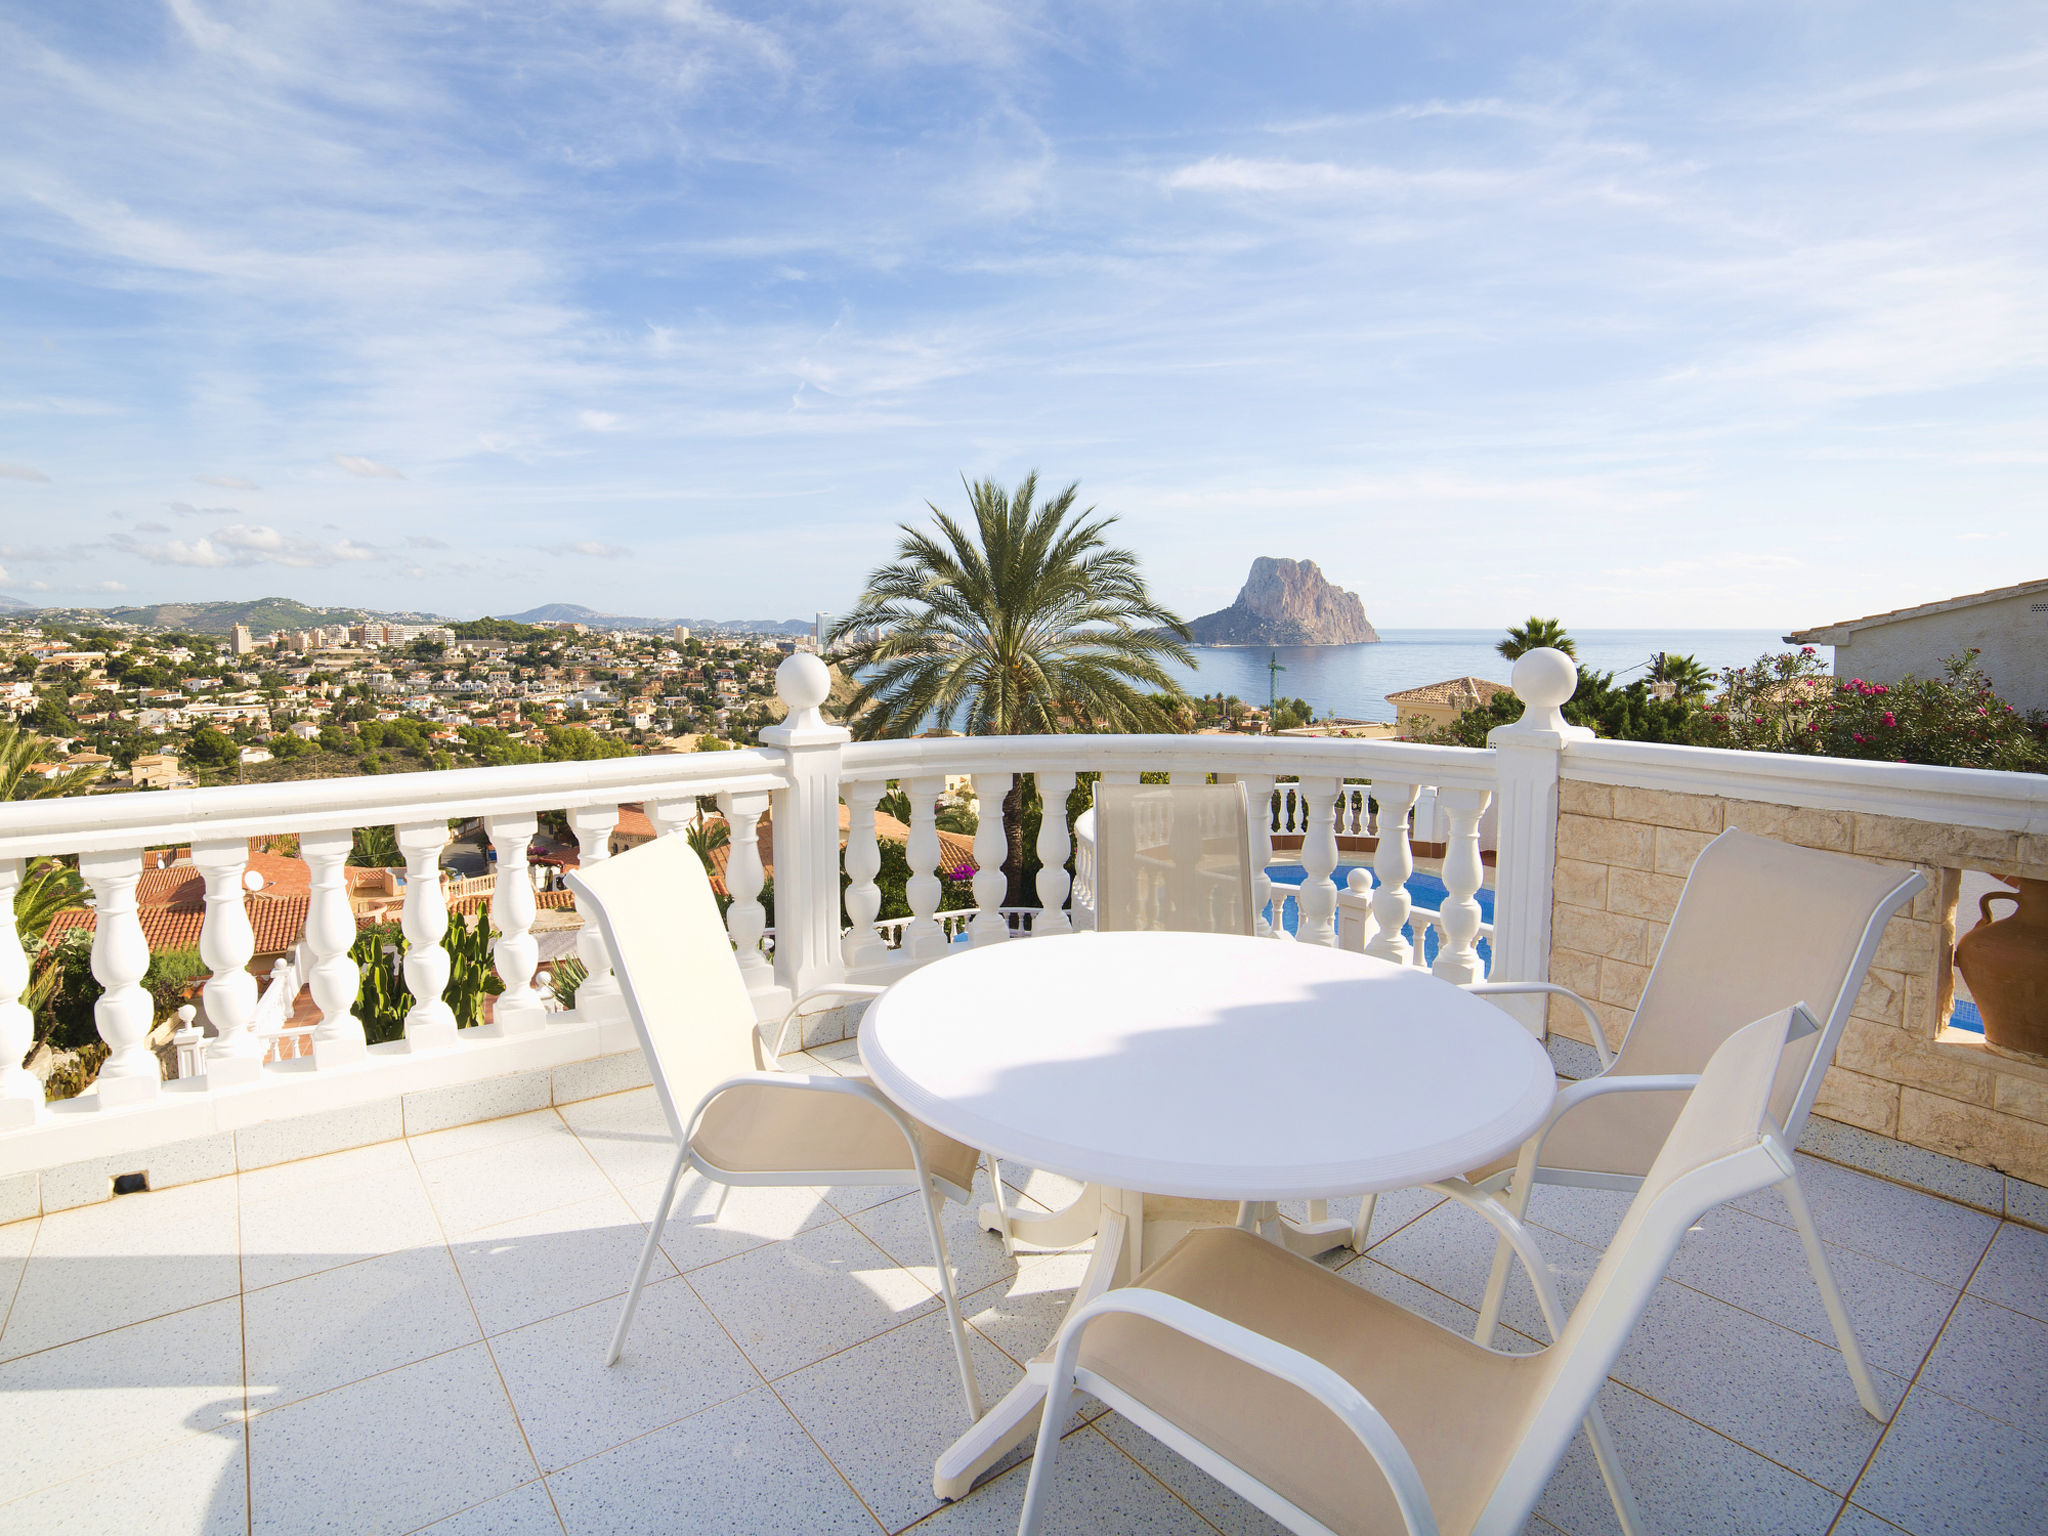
2005 963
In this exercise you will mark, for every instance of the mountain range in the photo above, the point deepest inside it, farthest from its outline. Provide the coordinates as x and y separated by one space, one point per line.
265 614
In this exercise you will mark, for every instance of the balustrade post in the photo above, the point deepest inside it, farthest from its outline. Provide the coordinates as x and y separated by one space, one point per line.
598 999
922 936
862 945
226 944
21 1096
1054 789
1354 912
1258 796
338 1039
991 847
120 955
430 1022
1317 899
745 919
518 1009
1527 757
807 934
1392 863
1457 960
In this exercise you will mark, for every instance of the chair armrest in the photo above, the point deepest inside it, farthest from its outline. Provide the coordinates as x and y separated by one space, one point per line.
1571 1095
830 989
1509 988
818 1082
1522 1240
1255 1349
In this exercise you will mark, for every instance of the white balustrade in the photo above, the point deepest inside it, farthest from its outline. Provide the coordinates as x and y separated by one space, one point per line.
745 919
1054 789
1354 912
120 956
1317 899
1459 917
21 1096
1258 794
598 998
862 945
1392 863
338 1039
518 1009
991 848
430 1022
226 944
924 938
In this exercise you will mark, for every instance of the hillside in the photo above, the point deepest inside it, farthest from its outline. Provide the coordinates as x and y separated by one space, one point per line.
1287 602
261 614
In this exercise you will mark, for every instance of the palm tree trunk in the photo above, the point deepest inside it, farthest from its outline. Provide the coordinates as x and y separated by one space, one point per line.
1013 837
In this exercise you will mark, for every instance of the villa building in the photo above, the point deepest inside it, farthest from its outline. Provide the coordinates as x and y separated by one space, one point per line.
1434 706
2007 627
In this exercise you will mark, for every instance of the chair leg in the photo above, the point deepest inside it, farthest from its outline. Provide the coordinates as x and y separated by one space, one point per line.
668 1195
932 1202
1052 1415
1361 1227
1831 1298
1517 1201
1626 1510
1002 1205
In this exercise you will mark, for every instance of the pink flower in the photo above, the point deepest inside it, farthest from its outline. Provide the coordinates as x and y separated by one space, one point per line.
1806 650
1982 710
1858 737
1888 720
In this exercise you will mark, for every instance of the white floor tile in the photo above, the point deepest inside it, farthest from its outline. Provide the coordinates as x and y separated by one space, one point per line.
1096 1490
525 1511
1215 1503
116 1395
709 1222
1451 1251
2015 1272
1761 1267
1588 1216
677 1361
1947 1470
1688 1480
194 1487
492 1185
316 1227
309 1175
1928 1235
105 1266
1861 1522
898 1227
1020 1315
1995 1360
17 1238
552 1262
626 1133
1763 1386
389 1454
741 1466
799 1301
884 1410
1391 1211
483 1134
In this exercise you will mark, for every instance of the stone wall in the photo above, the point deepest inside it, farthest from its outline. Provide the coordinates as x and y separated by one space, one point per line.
1622 857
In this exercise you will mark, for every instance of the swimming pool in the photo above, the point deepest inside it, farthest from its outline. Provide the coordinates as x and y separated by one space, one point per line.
1423 890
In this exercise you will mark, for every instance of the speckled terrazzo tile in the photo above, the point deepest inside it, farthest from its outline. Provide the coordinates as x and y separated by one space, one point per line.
677 1361
1215 1503
194 1487
884 1410
423 1442
626 1133
525 1511
1760 1267
703 1228
741 1466
290 1228
899 1229
1020 1315
794 1302
1861 1522
341 1325
1688 1480
1391 1212
1451 1251
1588 1216
478 1136
1924 1233
492 1185
1766 1387
552 1262
2015 1272
1993 1359
1946 1470
118 1394
1096 1491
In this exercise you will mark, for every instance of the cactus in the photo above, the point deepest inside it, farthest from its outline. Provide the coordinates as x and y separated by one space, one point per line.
470 977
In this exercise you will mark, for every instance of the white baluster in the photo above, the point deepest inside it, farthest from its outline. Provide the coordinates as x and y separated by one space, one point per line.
226 943
518 1009
923 936
1354 912
1393 863
1317 899
338 1039
21 1096
120 955
745 919
991 847
862 945
1258 794
430 1022
1456 958
1053 842
598 999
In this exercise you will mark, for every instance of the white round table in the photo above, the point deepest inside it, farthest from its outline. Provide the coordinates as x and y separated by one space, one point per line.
1197 1065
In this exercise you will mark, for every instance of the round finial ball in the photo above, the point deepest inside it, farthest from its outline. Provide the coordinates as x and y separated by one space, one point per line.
803 681
1544 678
186 1014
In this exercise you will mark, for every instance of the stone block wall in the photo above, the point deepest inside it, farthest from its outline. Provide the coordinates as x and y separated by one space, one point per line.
1622 858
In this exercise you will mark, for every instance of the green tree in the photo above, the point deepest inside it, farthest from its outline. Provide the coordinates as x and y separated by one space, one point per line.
1021 619
212 748
376 848
1535 635
704 835
1685 673
18 749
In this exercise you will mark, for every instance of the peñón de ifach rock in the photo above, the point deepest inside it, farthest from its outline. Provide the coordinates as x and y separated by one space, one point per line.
1287 602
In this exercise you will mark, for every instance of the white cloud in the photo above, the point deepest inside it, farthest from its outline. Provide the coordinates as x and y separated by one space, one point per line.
589 547
600 421
108 586
240 544
23 472
368 469
228 482
186 509
1236 173
425 541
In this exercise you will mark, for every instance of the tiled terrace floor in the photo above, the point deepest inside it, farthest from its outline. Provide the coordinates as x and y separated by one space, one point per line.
407 1336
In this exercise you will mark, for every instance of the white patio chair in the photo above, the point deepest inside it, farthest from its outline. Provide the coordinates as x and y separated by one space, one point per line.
733 1122
1338 1412
1760 925
1172 857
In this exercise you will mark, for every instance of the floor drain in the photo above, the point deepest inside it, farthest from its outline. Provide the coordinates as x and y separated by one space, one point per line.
130 1183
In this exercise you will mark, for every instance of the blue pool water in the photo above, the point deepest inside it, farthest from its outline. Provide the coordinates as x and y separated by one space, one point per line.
1423 890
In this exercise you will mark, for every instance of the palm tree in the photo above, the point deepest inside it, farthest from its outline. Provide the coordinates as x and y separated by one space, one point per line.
376 848
1692 680
18 749
1022 621
1535 635
47 888
703 835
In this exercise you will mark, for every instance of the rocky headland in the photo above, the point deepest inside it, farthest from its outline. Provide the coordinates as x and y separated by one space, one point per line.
1287 602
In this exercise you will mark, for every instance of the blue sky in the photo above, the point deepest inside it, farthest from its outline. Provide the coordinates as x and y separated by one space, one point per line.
1701 315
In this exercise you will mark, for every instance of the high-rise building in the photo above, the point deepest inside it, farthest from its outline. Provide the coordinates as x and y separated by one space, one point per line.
244 643
680 633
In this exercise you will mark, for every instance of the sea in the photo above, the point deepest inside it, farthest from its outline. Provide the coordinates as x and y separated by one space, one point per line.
1352 681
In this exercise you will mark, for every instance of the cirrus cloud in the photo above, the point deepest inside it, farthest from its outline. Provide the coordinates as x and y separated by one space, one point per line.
367 469
23 472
